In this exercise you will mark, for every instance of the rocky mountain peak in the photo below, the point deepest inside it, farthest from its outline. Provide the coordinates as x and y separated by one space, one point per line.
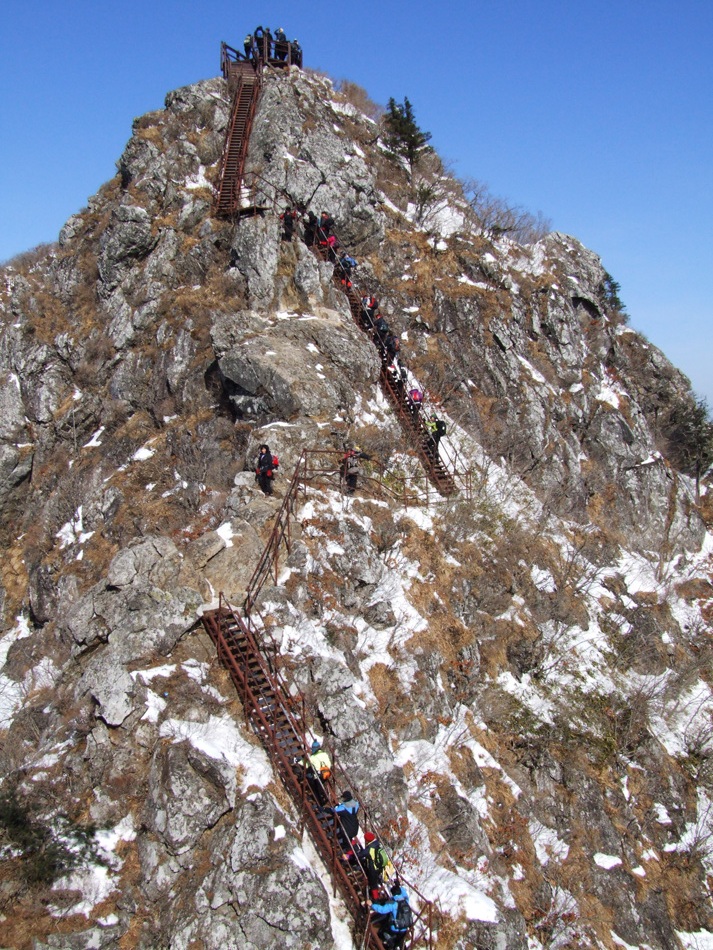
518 675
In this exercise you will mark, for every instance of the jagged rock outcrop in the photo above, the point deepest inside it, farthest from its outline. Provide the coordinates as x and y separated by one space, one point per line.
518 679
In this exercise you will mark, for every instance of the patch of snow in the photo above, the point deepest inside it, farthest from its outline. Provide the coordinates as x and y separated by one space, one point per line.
606 861
198 180
606 394
95 439
220 739
225 531
155 705
142 454
662 815
536 374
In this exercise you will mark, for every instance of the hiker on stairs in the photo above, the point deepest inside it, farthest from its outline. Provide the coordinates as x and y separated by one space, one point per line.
318 771
326 223
375 862
436 430
369 308
346 265
394 917
347 824
415 401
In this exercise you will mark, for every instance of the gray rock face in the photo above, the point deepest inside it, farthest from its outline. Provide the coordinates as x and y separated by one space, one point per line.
301 147
142 363
186 796
283 367
127 237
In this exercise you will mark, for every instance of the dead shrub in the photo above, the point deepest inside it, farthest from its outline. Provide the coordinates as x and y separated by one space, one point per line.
358 97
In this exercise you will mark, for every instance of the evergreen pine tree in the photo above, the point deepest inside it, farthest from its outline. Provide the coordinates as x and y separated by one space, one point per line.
403 133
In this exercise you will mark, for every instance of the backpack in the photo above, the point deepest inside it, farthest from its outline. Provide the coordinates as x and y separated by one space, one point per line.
415 395
441 427
352 463
404 916
381 325
349 261
275 461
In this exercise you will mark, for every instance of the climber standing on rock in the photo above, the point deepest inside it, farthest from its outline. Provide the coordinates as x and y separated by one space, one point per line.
351 468
264 469
311 226
288 218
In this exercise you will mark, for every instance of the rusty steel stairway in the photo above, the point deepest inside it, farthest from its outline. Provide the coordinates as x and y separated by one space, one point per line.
245 81
277 717
418 436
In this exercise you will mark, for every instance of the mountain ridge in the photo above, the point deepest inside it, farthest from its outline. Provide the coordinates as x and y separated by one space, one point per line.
555 617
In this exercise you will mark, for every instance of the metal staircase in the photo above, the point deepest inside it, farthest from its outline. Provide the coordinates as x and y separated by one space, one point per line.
277 716
413 425
245 80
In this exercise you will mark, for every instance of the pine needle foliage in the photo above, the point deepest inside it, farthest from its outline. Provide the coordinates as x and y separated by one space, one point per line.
403 135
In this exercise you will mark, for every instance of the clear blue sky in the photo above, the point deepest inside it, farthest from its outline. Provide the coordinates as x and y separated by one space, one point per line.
598 114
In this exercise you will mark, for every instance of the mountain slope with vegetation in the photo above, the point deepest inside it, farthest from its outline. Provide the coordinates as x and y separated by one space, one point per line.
518 677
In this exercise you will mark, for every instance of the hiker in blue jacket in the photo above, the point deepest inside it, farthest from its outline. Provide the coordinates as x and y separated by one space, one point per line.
347 823
393 917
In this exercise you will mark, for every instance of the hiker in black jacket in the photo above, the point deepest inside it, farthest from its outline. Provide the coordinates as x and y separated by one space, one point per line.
351 468
311 225
264 469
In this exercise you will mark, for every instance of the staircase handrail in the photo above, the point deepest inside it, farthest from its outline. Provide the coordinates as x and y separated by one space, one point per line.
353 291
293 775
235 185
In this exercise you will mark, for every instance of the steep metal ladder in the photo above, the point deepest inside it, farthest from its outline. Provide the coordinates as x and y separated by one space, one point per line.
246 81
413 425
277 718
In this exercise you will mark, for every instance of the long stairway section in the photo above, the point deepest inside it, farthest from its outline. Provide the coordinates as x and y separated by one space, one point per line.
246 80
394 389
277 718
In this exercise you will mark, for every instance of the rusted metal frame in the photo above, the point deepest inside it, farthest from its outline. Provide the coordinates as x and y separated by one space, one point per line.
237 183
230 131
408 422
272 743
354 295
277 681
266 728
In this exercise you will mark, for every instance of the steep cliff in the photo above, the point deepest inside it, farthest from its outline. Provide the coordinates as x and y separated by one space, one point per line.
519 677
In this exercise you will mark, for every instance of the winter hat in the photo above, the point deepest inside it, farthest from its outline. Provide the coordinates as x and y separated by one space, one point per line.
346 795
369 837
316 745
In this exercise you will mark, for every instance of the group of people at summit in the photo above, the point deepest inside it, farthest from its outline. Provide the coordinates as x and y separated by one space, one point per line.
264 47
